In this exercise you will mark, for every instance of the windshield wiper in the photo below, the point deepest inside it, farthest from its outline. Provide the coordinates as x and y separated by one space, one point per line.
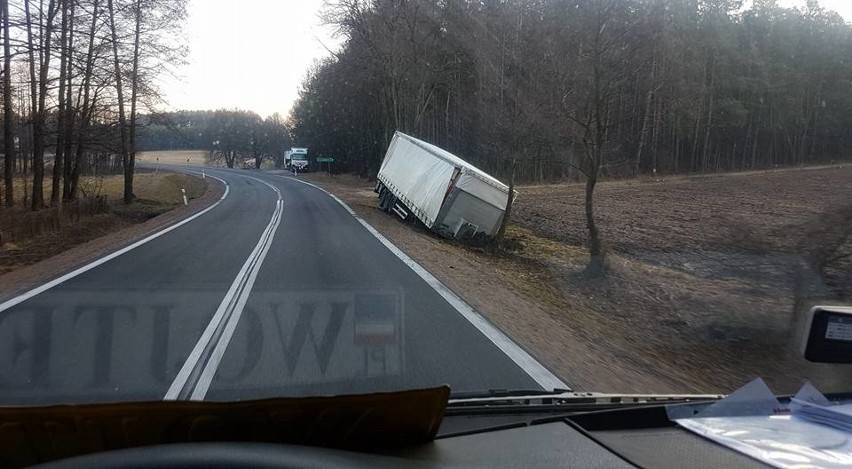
504 393
567 399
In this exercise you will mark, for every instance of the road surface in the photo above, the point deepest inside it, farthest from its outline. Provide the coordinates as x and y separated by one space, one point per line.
276 290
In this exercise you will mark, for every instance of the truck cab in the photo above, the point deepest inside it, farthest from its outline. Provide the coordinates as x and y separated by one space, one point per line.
296 159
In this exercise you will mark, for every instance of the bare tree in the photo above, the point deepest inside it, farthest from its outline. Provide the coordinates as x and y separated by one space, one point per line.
604 50
39 98
67 129
87 106
8 111
64 62
130 166
124 147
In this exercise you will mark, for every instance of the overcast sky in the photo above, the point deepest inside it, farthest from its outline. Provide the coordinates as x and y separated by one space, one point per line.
248 54
844 7
253 54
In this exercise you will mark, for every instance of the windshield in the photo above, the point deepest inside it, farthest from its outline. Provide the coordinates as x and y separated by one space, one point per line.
623 196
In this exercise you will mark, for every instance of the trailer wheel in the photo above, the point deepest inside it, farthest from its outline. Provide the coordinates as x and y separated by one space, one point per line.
381 198
389 202
386 201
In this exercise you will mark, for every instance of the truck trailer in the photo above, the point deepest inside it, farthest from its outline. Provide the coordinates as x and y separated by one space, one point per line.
447 194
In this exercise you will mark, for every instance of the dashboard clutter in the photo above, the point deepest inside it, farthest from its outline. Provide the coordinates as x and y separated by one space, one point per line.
810 431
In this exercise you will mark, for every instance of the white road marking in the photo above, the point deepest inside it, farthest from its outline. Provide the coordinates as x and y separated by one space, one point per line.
213 363
47 286
231 307
538 372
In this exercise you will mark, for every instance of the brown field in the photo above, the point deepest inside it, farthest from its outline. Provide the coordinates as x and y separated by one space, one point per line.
709 213
705 272
180 157
189 157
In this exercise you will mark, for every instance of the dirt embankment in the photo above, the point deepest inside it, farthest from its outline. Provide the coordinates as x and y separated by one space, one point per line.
159 203
700 297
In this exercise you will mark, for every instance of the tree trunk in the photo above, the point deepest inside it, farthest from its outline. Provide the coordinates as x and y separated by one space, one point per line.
36 128
708 125
69 110
597 256
122 119
8 113
40 116
59 154
597 128
87 107
643 130
510 201
130 167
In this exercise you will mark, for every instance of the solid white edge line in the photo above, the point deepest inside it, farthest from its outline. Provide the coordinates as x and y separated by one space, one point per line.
538 372
59 280
195 355
206 377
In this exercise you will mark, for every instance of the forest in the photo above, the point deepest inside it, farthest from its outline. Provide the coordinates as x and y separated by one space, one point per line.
230 136
77 76
529 90
542 90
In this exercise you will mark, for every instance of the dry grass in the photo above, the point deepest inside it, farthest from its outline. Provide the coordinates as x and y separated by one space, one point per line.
161 187
156 193
190 158
182 157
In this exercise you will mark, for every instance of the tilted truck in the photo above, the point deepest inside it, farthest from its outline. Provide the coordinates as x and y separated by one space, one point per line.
450 196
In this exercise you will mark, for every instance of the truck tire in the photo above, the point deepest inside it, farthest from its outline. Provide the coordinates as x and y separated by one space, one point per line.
384 200
391 199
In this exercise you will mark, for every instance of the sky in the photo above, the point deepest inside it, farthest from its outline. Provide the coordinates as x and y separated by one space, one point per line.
254 54
248 54
844 7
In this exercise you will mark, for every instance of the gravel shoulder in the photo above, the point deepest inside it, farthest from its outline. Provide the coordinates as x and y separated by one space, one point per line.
513 293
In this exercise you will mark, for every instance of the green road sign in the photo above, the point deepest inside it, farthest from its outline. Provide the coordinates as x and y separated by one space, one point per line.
325 159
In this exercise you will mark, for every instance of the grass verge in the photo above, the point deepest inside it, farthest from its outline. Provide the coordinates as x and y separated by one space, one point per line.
156 193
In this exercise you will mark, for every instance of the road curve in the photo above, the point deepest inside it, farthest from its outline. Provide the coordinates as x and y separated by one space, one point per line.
276 291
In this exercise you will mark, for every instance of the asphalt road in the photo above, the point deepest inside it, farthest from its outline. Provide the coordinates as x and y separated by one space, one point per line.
276 291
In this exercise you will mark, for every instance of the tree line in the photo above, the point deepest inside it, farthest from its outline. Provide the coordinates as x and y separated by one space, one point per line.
229 135
539 90
683 85
76 76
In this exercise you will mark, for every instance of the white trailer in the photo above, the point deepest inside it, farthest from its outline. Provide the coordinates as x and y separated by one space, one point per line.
449 195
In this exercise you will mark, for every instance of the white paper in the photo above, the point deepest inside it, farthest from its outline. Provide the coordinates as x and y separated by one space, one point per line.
779 440
809 404
753 422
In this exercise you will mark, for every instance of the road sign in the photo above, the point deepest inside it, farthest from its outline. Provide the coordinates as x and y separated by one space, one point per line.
325 159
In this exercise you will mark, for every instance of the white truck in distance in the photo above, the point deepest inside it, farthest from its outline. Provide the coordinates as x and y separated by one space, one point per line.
296 158
449 195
